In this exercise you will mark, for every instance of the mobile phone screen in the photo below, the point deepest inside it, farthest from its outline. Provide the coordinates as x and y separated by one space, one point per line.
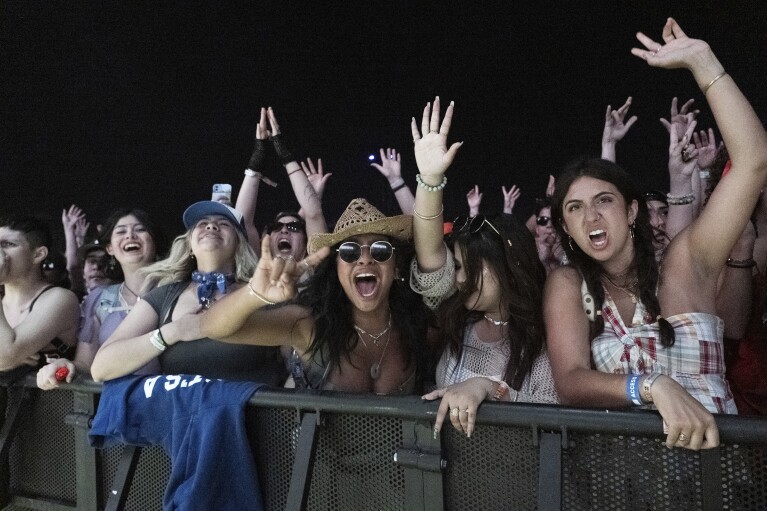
222 192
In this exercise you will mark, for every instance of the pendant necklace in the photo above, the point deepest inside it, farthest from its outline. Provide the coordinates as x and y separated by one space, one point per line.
125 287
375 369
496 322
375 337
626 289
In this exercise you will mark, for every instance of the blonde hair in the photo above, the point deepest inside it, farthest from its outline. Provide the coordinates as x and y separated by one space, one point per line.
180 263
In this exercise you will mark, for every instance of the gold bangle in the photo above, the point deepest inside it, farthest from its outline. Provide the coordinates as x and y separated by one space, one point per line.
416 213
712 82
260 297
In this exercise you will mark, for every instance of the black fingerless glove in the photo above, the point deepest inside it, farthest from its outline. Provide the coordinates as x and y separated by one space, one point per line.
259 155
283 153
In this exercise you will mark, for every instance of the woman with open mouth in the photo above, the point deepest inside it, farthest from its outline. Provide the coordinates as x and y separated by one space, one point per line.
356 326
211 259
620 329
131 240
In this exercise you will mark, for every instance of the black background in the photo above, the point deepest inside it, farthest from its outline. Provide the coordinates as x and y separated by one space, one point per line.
149 103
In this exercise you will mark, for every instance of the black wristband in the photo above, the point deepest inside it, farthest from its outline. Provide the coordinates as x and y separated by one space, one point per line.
283 153
398 187
259 155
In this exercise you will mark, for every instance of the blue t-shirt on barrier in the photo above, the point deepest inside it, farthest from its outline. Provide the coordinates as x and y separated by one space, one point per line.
201 425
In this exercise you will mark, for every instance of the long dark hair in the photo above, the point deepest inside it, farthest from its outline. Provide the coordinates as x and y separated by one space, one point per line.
643 267
513 258
334 336
114 271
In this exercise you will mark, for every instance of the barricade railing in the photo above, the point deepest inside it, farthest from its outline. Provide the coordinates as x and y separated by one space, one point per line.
357 452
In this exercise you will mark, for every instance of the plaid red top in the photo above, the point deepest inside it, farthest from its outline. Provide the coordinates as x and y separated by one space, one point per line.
695 361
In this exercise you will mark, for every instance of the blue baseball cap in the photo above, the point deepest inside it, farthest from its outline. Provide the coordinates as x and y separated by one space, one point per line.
204 208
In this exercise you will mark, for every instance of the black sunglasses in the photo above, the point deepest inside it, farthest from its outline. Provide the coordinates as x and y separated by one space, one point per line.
291 226
350 251
543 220
473 224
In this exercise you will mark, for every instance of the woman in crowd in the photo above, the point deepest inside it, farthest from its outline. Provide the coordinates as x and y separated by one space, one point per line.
37 320
487 284
653 335
356 326
210 260
131 240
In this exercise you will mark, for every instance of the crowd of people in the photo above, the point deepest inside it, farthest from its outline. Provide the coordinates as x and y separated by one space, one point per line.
606 296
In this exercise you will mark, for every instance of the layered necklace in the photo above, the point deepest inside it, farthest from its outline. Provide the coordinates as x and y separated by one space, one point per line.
628 288
375 369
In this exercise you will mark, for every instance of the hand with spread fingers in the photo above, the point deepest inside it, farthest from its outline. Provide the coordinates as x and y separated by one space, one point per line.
705 143
315 175
390 166
616 125
682 155
460 402
510 197
431 152
680 118
275 277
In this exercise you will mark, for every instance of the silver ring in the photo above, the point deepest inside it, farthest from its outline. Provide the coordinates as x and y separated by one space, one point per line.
683 438
433 131
454 412
659 47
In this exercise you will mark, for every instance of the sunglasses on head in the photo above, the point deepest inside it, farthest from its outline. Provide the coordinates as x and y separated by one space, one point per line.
473 224
350 251
291 226
543 220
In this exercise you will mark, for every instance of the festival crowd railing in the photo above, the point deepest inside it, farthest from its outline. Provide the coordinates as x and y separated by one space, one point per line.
333 451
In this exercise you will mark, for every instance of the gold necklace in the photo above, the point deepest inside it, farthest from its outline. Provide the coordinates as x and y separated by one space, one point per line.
627 289
375 337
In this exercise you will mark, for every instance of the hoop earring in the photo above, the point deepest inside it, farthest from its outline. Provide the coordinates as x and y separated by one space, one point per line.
570 242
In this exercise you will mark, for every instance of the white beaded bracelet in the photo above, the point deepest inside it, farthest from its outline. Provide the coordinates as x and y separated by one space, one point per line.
679 200
430 188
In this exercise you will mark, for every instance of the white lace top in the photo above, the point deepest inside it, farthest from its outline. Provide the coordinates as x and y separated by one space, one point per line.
478 358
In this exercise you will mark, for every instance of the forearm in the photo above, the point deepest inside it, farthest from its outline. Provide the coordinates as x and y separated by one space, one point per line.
405 200
121 357
248 197
608 150
734 294
427 224
681 211
307 197
230 314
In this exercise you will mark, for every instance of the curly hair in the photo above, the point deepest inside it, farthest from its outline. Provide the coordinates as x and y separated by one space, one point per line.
643 266
180 264
334 336
512 257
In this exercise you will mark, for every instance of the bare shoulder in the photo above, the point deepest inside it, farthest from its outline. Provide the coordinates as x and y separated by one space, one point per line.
57 297
562 279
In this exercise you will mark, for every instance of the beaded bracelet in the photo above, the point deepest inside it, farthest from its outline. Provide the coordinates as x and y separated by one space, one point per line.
632 389
158 341
740 263
679 200
430 188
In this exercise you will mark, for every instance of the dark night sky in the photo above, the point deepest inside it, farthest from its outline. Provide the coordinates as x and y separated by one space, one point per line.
149 103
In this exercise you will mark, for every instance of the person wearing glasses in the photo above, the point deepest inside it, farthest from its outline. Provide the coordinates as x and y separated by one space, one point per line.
209 261
356 326
486 286
547 240
622 330
288 235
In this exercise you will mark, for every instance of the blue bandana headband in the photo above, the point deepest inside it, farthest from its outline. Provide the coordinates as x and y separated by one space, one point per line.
207 284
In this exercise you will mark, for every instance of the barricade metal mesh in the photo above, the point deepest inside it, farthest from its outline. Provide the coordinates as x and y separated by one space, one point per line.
744 477
497 468
43 453
354 467
149 481
273 434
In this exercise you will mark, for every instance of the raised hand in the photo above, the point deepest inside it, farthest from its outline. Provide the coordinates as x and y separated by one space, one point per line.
262 131
616 125
275 277
278 139
681 118
431 152
390 166
707 148
70 217
474 199
510 197
81 229
682 156
316 178
550 186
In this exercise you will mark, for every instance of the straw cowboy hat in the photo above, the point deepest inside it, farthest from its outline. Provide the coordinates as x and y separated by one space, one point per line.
361 217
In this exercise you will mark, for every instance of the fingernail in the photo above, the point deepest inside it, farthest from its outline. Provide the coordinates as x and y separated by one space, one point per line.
452 103
436 433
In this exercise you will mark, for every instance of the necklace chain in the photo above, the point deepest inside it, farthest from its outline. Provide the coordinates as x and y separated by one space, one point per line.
496 322
628 288
375 369
125 286
375 337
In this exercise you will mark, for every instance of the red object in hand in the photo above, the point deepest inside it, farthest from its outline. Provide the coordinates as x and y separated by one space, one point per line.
62 373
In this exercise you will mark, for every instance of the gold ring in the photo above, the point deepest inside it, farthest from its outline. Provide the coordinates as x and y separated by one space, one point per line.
683 438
